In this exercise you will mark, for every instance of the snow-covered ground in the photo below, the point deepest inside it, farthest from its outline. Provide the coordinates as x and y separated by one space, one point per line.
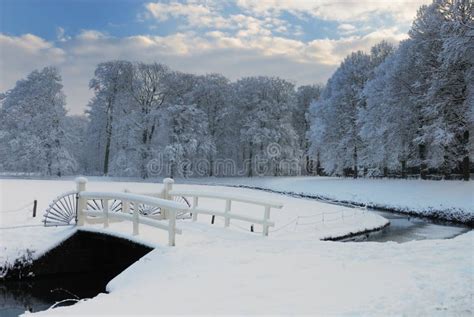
298 219
233 274
217 270
450 200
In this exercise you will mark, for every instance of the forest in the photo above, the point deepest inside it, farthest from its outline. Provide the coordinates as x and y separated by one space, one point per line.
403 110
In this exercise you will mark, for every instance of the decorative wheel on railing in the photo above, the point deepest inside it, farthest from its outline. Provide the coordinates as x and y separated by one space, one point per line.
148 210
62 210
97 205
182 214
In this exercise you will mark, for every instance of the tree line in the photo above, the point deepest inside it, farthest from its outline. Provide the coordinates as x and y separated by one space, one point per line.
403 110
148 120
391 112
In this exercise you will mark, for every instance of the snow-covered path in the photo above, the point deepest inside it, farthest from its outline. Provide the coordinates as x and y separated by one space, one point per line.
451 200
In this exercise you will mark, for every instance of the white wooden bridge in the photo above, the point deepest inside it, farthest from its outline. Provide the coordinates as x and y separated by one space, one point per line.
161 209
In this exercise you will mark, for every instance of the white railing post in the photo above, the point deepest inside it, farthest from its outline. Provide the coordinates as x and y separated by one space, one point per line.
105 205
125 203
265 220
135 220
167 187
172 228
227 210
126 206
81 202
193 211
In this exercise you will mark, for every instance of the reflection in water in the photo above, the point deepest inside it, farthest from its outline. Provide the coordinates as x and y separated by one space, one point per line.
35 295
404 228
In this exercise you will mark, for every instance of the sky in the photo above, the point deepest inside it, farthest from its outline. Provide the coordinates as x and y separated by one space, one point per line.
300 40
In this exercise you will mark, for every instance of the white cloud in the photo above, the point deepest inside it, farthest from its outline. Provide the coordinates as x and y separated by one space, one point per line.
249 50
19 55
332 52
197 15
336 10
61 35
88 35
346 28
205 14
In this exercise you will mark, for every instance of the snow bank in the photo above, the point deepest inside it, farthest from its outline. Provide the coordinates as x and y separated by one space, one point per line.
236 275
448 200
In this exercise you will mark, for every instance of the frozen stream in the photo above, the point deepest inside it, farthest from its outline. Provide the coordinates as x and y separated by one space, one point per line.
404 228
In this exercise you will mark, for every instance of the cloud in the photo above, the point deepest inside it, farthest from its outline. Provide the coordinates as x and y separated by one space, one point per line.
61 35
197 15
19 55
205 14
336 10
346 28
91 35
249 50
332 52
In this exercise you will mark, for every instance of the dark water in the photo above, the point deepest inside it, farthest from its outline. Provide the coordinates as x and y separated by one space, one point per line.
16 297
404 228
79 268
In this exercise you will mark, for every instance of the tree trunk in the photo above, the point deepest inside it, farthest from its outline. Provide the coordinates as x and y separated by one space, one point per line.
318 166
108 136
445 168
211 166
404 167
171 170
108 133
310 168
49 159
356 172
465 161
250 172
423 166
144 155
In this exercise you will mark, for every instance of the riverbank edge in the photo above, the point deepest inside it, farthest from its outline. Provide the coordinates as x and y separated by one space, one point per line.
439 216
356 234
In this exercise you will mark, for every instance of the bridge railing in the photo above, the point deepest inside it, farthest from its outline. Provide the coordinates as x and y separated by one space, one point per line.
128 200
227 213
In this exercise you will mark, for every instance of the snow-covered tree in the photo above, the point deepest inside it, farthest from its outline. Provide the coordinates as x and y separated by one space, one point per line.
212 94
389 122
342 101
305 95
110 84
150 91
413 106
188 139
34 127
265 105
448 94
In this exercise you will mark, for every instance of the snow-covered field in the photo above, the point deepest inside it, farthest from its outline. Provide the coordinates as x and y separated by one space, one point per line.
298 219
450 200
217 270
233 274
